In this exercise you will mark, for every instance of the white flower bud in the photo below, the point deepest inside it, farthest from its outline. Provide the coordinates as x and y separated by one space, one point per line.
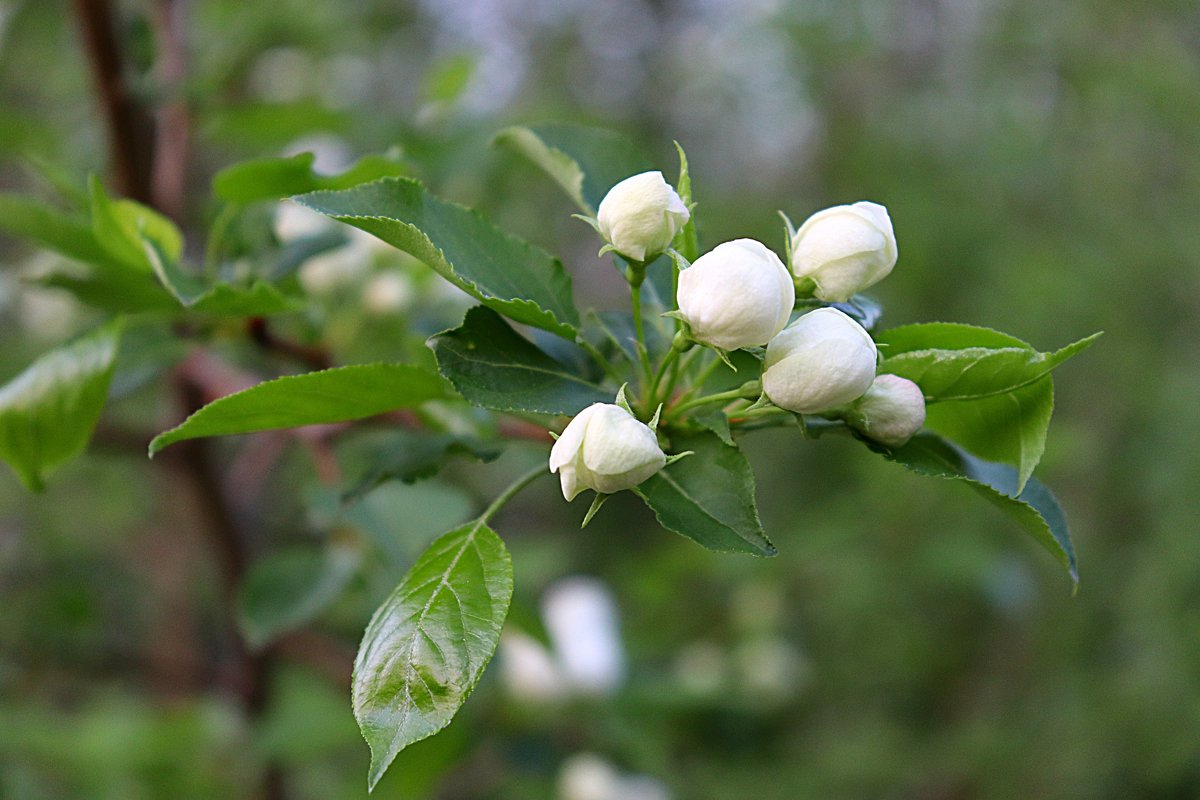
891 411
388 292
823 360
737 295
641 215
581 620
607 449
845 249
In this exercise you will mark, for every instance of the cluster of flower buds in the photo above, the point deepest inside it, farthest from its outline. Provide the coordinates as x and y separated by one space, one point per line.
742 295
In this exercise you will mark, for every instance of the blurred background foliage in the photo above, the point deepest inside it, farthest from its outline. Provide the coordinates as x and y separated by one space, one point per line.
1042 167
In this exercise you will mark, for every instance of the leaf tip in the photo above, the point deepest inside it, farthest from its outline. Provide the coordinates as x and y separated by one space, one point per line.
155 446
376 771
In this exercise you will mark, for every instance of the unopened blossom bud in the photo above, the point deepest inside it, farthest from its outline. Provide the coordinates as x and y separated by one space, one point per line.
844 250
891 411
641 215
821 361
737 295
607 449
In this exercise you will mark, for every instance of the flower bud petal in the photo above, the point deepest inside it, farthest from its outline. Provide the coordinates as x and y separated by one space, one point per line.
891 411
845 249
739 294
605 448
641 215
823 360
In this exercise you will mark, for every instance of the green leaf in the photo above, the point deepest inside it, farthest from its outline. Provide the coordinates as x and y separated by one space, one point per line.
1034 508
64 232
220 299
114 290
1009 427
286 590
975 372
717 422
427 645
944 336
111 242
686 241
277 178
608 329
122 227
508 274
332 395
449 78
493 366
411 456
988 391
48 412
708 497
585 162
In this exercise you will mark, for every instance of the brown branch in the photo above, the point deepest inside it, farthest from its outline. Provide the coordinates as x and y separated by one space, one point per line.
249 673
173 140
261 334
129 126
133 144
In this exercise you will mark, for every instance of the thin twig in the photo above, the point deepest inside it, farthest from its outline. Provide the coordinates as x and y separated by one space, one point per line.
129 125
261 334
173 140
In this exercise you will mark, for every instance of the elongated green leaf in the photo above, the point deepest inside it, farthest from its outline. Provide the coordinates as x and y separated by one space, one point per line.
63 232
117 283
1009 427
942 336
122 227
717 422
708 497
493 366
988 391
114 290
276 178
284 591
615 329
411 456
1033 507
220 299
449 77
508 274
48 412
429 642
585 162
974 372
315 398
686 241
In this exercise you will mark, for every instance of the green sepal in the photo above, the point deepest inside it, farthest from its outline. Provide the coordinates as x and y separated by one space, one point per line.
597 501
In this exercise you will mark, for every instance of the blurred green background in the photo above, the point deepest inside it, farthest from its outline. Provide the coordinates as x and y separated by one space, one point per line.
1041 164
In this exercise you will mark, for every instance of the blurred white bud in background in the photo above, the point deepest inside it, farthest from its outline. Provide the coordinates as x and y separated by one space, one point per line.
587 776
701 667
388 292
580 615
334 269
770 668
586 656
528 670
